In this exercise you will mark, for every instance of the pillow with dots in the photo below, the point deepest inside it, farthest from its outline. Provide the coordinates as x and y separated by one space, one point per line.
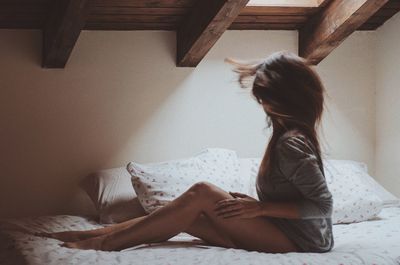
356 196
156 184
353 199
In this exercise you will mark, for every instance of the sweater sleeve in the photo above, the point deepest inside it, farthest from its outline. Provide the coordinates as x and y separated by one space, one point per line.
298 162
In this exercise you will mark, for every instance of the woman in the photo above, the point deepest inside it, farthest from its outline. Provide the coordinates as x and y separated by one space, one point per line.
293 213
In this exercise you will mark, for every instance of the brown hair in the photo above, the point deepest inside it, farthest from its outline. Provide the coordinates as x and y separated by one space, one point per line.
292 94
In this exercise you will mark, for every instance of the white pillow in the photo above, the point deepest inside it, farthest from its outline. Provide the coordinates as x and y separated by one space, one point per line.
353 199
248 172
356 196
360 169
389 199
156 184
112 194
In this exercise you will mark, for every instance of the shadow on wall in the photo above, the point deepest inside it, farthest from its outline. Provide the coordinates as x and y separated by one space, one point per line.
59 125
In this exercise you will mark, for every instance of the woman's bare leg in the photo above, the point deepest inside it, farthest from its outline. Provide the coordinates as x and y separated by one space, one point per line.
73 236
202 228
181 214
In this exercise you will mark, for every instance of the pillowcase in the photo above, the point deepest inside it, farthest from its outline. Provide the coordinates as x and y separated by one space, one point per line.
112 195
356 195
248 172
360 169
353 200
156 184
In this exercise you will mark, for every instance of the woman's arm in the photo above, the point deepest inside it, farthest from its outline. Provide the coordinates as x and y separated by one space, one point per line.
288 210
244 206
299 165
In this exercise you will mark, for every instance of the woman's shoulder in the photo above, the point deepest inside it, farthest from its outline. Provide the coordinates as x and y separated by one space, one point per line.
296 143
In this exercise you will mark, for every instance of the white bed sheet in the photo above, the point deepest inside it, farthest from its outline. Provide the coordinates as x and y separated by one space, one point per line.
370 242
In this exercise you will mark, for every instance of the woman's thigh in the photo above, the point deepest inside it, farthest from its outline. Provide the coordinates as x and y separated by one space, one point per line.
204 229
258 234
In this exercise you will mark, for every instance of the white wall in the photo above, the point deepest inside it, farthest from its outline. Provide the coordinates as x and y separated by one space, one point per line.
387 105
121 98
349 76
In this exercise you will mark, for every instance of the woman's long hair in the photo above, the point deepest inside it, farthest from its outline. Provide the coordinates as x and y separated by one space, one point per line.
292 95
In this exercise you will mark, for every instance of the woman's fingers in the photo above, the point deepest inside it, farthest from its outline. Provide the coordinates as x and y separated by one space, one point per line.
236 213
223 203
241 206
238 194
228 209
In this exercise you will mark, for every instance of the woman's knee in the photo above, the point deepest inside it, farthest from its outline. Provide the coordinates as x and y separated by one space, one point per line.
202 188
196 193
208 192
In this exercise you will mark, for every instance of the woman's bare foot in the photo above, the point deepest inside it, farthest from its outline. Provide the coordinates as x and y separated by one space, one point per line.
95 243
67 236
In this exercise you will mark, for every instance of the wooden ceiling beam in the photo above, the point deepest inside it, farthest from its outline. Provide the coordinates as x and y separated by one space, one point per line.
62 30
203 26
328 28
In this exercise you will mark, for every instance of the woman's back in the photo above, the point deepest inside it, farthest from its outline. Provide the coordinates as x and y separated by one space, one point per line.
297 175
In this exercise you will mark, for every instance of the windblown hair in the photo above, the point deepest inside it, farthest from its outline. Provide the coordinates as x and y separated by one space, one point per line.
292 95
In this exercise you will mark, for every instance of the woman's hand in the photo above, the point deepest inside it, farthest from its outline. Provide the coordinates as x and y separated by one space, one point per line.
241 206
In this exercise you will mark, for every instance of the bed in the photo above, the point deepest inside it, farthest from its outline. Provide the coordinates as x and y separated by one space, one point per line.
376 241
366 222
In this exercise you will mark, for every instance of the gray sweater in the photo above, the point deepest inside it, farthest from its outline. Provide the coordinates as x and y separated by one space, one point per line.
298 176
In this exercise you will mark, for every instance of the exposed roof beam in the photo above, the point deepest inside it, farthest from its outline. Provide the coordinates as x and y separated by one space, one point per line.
322 3
62 31
204 25
303 3
327 29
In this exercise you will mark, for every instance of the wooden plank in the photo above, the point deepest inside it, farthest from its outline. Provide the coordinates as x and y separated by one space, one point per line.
101 10
270 19
323 3
21 24
393 4
312 3
145 3
153 15
265 26
369 26
377 20
134 18
25 2
62 31
386 12
130 26
278 10
324 32
203 26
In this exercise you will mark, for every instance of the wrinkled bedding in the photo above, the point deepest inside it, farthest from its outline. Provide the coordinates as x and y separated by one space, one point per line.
375 241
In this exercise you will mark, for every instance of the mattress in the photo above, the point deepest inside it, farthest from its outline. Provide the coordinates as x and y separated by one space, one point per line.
376 241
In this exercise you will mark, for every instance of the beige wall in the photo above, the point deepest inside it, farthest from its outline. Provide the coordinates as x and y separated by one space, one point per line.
349 76
121 98
387 105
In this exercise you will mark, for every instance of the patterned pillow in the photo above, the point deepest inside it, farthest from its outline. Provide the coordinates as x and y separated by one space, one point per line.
248 171
353 200
156 184
360 170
